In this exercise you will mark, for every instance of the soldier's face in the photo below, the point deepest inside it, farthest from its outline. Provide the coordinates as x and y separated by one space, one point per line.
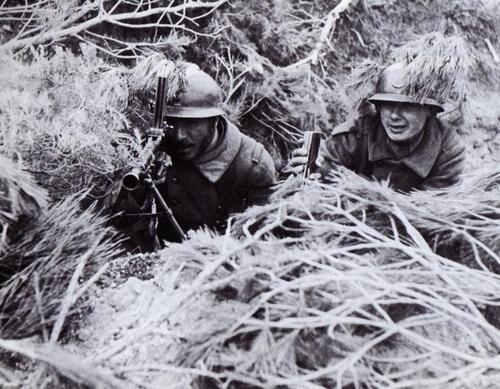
189 137
403 122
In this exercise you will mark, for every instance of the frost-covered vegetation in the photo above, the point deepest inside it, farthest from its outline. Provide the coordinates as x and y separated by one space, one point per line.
339 285
342 285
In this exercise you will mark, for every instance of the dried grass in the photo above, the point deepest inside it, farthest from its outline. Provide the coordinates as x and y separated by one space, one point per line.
20 199
57 368
64 117
329 285
40 261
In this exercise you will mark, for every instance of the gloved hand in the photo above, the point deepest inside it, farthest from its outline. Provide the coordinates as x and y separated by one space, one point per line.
299 161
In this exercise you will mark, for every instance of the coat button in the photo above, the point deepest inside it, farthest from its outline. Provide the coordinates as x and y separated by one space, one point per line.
175 202
219 207
175 180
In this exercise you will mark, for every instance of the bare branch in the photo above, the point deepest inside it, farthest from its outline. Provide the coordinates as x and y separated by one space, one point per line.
329 26
32 34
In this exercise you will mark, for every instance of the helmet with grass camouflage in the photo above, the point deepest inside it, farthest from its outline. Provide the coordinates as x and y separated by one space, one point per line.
200 96
391 88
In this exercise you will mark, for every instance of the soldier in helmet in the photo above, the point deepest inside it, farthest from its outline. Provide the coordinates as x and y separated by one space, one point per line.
403 142
216 170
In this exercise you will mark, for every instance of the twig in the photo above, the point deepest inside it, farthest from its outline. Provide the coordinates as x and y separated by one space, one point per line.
39 304
328 27
118 19
69 299
493 52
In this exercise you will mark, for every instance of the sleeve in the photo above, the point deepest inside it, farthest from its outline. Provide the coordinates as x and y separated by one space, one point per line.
262 179
449 165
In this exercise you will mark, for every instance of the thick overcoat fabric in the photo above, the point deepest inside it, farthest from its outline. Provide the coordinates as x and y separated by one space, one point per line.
362 145
238 172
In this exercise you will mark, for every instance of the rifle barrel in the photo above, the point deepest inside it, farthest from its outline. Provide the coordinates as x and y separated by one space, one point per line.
160 101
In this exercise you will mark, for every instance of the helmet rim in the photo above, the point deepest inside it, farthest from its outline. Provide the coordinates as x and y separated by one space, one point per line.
199 97
192 112
400 98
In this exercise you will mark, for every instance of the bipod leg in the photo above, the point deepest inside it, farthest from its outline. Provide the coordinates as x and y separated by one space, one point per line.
167 212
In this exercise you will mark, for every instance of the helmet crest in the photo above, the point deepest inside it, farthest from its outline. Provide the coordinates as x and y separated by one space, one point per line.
200 96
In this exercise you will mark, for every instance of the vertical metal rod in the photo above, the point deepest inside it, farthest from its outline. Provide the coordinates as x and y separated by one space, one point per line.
166 210
160 101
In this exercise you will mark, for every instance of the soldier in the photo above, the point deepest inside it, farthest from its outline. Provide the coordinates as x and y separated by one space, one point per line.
216 170
403 142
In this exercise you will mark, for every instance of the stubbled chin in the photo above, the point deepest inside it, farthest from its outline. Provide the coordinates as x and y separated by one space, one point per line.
187 155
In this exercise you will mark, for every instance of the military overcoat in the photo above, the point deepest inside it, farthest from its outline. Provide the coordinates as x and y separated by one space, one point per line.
363 146
235 174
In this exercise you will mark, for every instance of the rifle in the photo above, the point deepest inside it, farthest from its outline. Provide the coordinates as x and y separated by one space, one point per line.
133 179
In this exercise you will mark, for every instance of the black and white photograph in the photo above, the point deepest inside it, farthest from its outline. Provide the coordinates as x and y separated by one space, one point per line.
249 194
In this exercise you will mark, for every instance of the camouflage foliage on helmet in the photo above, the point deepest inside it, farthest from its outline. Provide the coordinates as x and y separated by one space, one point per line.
433 66
144 75
436 66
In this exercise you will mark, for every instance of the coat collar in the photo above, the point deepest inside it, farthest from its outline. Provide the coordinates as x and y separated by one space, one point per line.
421 160
215 162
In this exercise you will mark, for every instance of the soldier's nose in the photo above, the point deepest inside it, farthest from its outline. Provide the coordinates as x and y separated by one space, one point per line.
396 112
180 135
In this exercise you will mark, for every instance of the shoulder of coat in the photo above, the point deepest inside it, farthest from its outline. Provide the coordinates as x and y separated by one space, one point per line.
451 139
250 146
252 155
358 125
345 127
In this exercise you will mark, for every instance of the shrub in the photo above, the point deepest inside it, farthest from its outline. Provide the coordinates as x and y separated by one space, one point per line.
64 116
338 284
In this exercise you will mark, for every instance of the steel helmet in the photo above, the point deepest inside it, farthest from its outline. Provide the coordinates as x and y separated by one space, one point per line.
390 88
200 97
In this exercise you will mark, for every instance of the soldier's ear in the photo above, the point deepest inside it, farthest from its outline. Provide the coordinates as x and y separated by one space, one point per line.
217 122
433 111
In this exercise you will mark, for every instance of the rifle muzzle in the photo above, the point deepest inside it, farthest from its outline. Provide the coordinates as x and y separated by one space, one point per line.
132 179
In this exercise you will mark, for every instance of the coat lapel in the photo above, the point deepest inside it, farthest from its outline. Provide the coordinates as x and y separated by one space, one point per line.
214 163
421 160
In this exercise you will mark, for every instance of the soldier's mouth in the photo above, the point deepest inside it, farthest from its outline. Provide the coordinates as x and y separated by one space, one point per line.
183 152
397 127
183 148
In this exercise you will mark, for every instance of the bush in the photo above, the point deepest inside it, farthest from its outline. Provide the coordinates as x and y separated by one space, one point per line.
64 116
352 293
350 284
